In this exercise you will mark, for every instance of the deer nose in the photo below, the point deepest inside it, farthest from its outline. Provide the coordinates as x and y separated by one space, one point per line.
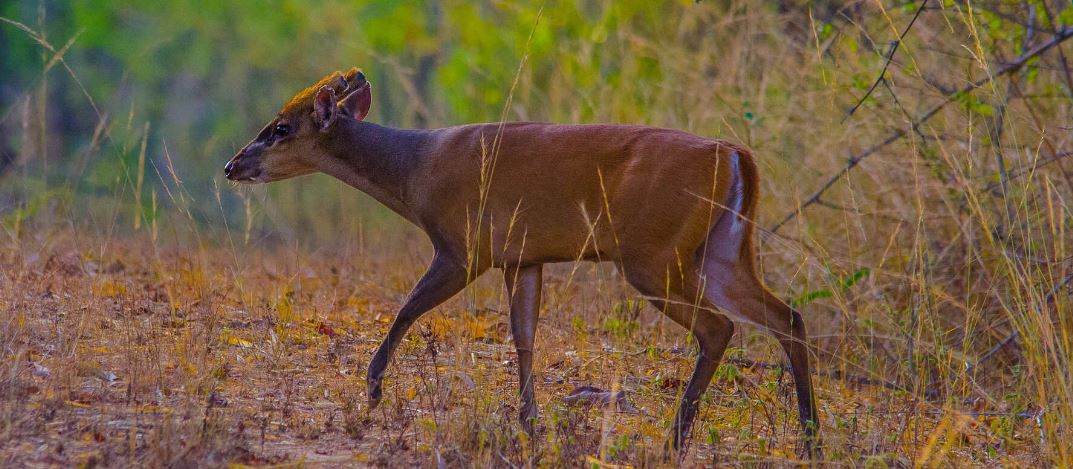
228 167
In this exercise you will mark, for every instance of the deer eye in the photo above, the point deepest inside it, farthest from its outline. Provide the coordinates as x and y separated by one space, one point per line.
282 130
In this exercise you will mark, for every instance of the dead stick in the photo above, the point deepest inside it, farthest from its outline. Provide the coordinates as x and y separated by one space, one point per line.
974 414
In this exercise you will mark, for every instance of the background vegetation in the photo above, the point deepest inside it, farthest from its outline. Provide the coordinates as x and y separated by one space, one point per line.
153 314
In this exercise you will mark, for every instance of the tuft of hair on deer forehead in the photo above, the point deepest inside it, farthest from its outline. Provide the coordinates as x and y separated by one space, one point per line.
341 84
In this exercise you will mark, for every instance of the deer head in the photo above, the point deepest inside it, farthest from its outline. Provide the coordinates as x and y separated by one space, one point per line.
289 146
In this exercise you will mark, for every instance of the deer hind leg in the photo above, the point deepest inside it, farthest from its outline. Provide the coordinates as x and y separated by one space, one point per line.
682 301
733 288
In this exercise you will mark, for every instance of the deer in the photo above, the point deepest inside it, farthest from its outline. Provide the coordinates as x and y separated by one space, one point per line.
671 210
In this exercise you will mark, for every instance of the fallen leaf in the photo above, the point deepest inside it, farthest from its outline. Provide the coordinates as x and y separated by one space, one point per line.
327 330
230 339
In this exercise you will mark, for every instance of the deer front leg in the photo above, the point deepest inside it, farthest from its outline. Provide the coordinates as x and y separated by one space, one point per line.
444 278
523 288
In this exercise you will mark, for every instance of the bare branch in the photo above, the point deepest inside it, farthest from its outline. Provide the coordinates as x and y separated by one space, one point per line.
886 63
854 160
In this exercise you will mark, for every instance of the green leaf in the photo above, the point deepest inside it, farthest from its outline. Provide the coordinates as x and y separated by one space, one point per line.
1065 18
856 277
810 297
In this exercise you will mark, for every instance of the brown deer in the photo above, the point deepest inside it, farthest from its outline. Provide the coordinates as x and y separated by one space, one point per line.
672 210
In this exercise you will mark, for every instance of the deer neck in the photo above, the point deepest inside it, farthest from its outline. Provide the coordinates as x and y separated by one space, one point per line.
377 160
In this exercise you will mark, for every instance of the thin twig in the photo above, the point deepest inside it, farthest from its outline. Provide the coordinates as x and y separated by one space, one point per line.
854 160
886 64
1061 55
1016 173
974 414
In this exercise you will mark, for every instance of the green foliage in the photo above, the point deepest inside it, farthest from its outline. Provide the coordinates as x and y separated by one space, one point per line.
809 297
728 372
623 320
974 104
13 221
620 445
855 277
844 284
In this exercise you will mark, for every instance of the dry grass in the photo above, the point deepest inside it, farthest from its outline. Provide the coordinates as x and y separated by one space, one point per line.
184 357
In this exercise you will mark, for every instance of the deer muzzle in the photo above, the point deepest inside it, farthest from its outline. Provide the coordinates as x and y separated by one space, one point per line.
243 167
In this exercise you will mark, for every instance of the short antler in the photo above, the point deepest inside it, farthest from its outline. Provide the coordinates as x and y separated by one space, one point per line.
344 84
353 81
336 82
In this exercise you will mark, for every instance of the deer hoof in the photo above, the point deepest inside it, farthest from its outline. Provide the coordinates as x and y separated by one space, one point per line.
375 393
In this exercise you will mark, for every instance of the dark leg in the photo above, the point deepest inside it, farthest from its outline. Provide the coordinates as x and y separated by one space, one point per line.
713 332
741 293
712 343
523 288
796 347
788 327
443 279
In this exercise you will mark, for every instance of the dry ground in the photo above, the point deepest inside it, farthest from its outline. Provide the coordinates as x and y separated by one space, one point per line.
120 351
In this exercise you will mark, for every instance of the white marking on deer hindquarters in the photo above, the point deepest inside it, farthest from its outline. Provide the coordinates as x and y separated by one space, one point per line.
728 231
737 194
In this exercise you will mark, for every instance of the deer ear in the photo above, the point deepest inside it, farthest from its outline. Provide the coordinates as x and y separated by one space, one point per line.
357 103
324 112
